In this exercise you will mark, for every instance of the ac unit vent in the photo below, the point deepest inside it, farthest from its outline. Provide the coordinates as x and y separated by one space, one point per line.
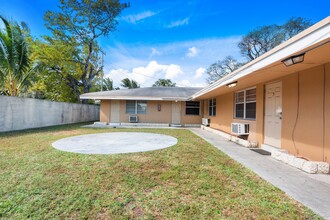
133 118
206 121
239 128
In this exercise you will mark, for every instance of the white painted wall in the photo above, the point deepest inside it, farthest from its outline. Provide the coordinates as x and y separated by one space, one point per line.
22 113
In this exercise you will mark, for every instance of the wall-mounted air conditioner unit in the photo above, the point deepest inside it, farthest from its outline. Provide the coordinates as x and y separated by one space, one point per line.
133 118
239 128
206 121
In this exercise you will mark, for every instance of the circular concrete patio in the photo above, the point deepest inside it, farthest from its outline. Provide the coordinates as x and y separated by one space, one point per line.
115 143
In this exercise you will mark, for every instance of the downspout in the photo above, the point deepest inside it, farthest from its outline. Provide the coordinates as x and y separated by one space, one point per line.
297 114
324 106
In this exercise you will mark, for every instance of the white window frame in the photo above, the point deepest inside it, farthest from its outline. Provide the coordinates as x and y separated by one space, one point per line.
136 107
213 106
244 104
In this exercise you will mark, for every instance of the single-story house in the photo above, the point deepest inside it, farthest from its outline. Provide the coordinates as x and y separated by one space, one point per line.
283 95
153 105
280 100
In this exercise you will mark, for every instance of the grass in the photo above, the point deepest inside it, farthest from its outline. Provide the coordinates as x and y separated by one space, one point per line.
191 180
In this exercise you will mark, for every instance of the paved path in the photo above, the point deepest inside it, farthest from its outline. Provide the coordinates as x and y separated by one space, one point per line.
115 143
312 190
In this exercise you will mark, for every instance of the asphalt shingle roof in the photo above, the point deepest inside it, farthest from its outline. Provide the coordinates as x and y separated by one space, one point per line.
148 93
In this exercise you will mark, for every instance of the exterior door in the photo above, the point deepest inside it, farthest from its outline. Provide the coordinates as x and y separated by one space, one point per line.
273 114
176 112
115 111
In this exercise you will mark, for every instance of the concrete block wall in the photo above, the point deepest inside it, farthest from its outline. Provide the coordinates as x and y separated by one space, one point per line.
18 113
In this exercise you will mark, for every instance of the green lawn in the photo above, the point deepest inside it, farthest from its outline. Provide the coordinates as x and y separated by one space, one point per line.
191 180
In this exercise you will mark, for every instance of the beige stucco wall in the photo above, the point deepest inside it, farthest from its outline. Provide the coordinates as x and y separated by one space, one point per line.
105 111
307 127
225 115
152 115
191 119
310 132
327 115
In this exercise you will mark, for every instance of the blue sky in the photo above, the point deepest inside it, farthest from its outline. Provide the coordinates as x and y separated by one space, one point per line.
175 39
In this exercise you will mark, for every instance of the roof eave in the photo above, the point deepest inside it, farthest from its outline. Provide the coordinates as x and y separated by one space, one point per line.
311 36
134 98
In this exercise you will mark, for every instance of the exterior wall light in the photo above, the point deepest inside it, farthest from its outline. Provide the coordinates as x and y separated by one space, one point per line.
232 84
294 60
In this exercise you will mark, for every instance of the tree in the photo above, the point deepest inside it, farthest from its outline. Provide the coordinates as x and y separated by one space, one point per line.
265 38
129 83
59 77
164 83
107 85
83 22
260 40
221 68
294 26
15 65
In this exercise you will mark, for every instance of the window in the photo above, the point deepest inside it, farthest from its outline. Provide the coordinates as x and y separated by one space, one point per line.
245 104
136 107
192 108
212 107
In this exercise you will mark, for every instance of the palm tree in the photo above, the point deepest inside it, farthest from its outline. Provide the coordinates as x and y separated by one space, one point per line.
107 84
129 83
164 83
14 59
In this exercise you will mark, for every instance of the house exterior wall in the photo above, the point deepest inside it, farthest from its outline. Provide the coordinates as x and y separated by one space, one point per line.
306 117
225 115
327 114
152 115
105 111
310 130
191 119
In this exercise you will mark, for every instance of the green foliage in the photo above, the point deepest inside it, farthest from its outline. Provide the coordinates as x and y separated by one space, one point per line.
265 38
164 83
107 85
129 83
58 77
79 24
15 64
221 68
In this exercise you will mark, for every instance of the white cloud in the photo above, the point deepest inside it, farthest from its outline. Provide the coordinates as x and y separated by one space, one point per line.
147 75
188 83
178 23
138 17
192 52
173 71
130 56
199 72
154 52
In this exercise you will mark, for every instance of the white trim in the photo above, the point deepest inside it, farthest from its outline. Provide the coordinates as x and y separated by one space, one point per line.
244 103
132 98
213 100
312 36
136 107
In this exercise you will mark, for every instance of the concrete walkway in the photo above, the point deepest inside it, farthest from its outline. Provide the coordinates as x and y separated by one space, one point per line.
312 190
